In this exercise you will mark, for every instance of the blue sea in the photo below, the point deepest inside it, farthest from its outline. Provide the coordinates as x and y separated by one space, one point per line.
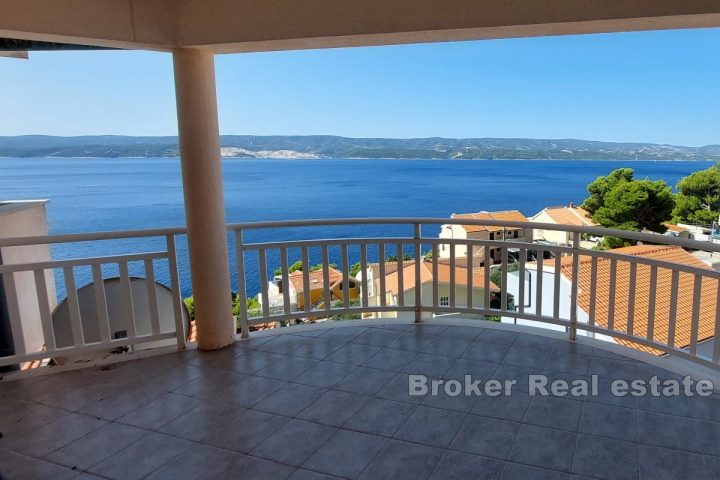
101 194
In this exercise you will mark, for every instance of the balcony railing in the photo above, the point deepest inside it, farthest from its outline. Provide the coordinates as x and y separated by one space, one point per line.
559 286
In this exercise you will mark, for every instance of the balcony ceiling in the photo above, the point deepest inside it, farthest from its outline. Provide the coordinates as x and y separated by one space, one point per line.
227 26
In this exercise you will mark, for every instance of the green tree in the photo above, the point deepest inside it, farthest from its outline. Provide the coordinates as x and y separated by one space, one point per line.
698 198
602 186
621 202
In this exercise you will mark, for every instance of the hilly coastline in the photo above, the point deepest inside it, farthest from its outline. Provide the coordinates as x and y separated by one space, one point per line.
326 146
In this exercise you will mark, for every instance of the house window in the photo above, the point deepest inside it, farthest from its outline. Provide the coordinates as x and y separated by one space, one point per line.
444 301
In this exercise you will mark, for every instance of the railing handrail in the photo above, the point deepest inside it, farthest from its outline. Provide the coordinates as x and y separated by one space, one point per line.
160 232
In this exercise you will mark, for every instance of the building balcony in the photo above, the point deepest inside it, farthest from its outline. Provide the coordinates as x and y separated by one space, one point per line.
122 392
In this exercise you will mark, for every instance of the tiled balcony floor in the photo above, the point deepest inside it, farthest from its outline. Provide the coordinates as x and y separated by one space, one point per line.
319 404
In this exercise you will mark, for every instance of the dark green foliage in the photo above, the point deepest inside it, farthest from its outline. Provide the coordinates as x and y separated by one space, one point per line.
698 198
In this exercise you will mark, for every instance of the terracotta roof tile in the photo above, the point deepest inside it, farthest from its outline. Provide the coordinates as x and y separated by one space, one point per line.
316 279
569 216
507 215
641 294
426 275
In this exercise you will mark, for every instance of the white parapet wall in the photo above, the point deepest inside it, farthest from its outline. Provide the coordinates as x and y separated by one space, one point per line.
18 219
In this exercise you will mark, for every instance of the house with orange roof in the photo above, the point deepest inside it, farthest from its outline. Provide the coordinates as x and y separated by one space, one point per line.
645 315
561 215
316 286
400 280
482 232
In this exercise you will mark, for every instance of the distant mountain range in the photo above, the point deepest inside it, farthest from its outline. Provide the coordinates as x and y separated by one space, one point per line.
326 146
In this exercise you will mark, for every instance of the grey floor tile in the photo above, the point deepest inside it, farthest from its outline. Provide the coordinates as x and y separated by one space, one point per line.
462 466
251 362
283 343
448 400
453 347
365 381
294 442
506 407
291 399
536 341
16 466
398 327
517 471
142 457
487 351
325 374
245 431
376 337
248 391
96 446
346 454
27 416
478 370
380 417
252 468
310 332
497 336
561 361
288 369
666 464
520 375
203 420
121 402
390 359
544 447
705 408
318 348
431 426
197 462
605 396
334 408
672 405
346 333
608 421
463 333
489 437
398 389
166 408
354 353
432 366
301 474
426 329
573 348
612 368
403 461
524 356
606 458
708 437
55 435
668 431
412 342
553 412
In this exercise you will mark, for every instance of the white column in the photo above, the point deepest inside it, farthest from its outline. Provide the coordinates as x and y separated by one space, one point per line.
204 200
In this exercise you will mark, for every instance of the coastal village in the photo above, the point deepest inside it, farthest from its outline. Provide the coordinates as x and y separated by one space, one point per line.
453 263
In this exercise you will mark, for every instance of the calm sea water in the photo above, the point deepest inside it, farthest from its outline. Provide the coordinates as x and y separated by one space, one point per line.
89 195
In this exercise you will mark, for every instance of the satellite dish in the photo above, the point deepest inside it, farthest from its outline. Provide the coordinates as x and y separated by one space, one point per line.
117 310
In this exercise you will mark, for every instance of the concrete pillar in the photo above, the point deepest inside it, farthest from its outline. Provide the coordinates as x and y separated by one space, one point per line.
204 199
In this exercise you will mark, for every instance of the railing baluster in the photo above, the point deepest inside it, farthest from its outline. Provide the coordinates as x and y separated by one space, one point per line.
435 287
539 283
697 292
126 288
363 270
327 300
574 286
45 314
486 279
11 297
262 269
716 344
346 274
651 303
242 285
152 297
307 301
503 275
556 287
101 303
74 306
401 276
631 299
611 294
469 271
593 290
418 283
285 280
451 299
521 280
180 333
381 268
672 321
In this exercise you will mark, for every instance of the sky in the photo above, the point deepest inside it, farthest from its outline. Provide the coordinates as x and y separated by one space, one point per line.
659 87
